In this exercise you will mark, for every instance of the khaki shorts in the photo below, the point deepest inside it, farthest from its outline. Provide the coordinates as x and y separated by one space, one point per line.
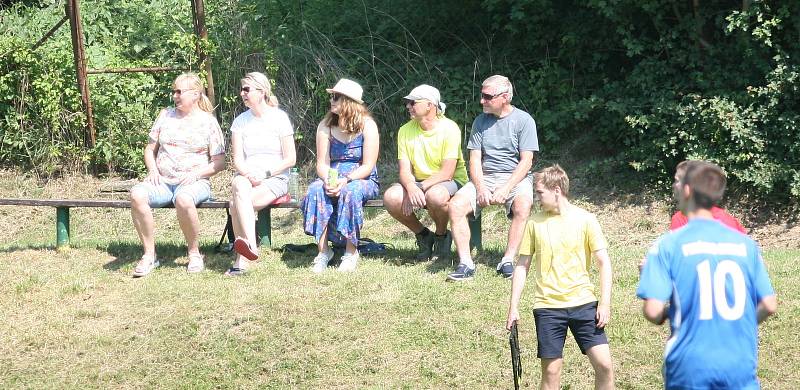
493 180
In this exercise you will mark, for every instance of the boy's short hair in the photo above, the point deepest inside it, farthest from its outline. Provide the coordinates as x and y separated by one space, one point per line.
707 181
680 169
553 177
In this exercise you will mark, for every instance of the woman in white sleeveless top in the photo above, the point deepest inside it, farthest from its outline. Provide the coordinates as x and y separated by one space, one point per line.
262 140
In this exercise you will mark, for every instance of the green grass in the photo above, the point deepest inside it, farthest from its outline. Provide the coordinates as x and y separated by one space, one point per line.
76 319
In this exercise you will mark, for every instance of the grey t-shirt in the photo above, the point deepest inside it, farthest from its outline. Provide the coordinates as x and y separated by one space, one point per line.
500 140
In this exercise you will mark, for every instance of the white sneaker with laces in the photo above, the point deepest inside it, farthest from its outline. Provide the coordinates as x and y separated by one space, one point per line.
321 261
349 262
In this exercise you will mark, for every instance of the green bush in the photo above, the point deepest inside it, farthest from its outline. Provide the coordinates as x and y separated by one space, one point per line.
647 82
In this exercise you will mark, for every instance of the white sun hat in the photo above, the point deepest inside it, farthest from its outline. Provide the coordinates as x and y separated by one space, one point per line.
348 88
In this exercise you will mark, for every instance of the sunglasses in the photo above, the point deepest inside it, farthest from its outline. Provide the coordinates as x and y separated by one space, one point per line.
336 96
487 97
181 91
413 102
248 89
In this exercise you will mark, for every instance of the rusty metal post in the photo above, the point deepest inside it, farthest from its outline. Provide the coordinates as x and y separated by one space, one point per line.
79 53
199 19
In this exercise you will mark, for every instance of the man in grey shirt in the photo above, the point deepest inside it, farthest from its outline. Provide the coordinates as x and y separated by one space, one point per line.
501 154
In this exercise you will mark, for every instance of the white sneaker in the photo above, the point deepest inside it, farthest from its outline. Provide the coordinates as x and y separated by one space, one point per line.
146 265
349 262
196 263
321 261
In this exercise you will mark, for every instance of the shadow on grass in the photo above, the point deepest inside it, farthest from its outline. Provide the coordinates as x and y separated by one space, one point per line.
35 247
129 253
302 255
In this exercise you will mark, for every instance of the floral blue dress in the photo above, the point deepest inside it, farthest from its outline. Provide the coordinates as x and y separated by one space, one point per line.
344 216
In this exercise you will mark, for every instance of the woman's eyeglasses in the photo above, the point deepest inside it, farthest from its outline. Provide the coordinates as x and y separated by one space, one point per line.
248 89
336 96
412 102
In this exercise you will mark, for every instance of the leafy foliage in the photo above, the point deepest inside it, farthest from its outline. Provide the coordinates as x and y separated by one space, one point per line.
649 82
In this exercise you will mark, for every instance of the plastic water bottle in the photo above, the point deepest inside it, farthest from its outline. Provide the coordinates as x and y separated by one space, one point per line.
294 185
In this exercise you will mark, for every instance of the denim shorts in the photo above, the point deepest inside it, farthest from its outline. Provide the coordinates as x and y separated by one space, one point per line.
164 194
552 325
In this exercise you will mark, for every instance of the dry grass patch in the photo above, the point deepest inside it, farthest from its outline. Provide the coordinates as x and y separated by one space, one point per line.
77 319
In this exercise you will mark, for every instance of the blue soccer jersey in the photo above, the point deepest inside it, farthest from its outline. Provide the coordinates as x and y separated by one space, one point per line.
713 278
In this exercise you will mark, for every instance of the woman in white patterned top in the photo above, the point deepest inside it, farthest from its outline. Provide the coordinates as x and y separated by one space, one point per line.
262 141
185 147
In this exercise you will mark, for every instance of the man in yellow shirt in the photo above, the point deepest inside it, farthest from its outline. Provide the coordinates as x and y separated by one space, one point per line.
562 239
432 169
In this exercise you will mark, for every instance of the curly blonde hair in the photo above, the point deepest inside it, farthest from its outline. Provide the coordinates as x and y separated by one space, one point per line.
351 117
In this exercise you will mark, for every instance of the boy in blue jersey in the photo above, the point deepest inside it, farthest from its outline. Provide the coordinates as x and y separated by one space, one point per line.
718 292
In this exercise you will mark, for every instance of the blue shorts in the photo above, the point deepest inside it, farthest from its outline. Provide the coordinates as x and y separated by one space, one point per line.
165 194
552 324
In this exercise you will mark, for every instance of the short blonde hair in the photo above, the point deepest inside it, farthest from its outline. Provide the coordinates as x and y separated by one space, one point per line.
553 177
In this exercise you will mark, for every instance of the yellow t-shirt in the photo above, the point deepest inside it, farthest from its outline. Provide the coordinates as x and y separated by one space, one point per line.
561 246
426 150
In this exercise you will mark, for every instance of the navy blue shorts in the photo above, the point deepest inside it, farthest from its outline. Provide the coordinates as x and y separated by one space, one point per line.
552 324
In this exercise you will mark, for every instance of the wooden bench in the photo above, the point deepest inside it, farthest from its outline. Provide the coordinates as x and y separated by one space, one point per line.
263 223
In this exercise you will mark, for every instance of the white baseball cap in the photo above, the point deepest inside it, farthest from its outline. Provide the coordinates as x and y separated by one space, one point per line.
429 93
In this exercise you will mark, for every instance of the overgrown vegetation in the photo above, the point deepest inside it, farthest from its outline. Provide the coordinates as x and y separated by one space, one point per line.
648 83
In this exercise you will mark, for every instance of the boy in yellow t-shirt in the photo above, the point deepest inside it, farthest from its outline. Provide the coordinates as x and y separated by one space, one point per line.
432 169
562 239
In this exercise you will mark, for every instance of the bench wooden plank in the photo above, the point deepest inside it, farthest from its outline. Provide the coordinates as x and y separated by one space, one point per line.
125 204
263 224
120 204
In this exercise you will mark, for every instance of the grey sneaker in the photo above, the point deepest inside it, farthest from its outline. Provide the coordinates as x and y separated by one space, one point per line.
442 245
425 246
461 273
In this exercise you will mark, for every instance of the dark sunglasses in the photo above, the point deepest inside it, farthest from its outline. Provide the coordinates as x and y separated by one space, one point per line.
487 97
412 102
248 89
336 96
180 91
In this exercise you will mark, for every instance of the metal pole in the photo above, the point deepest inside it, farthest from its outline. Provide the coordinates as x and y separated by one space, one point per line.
264 227
199 19
62 227
51 32
79 53
136 70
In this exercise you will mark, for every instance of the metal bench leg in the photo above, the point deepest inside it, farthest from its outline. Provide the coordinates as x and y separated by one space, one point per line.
475 233
264 227
62 227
